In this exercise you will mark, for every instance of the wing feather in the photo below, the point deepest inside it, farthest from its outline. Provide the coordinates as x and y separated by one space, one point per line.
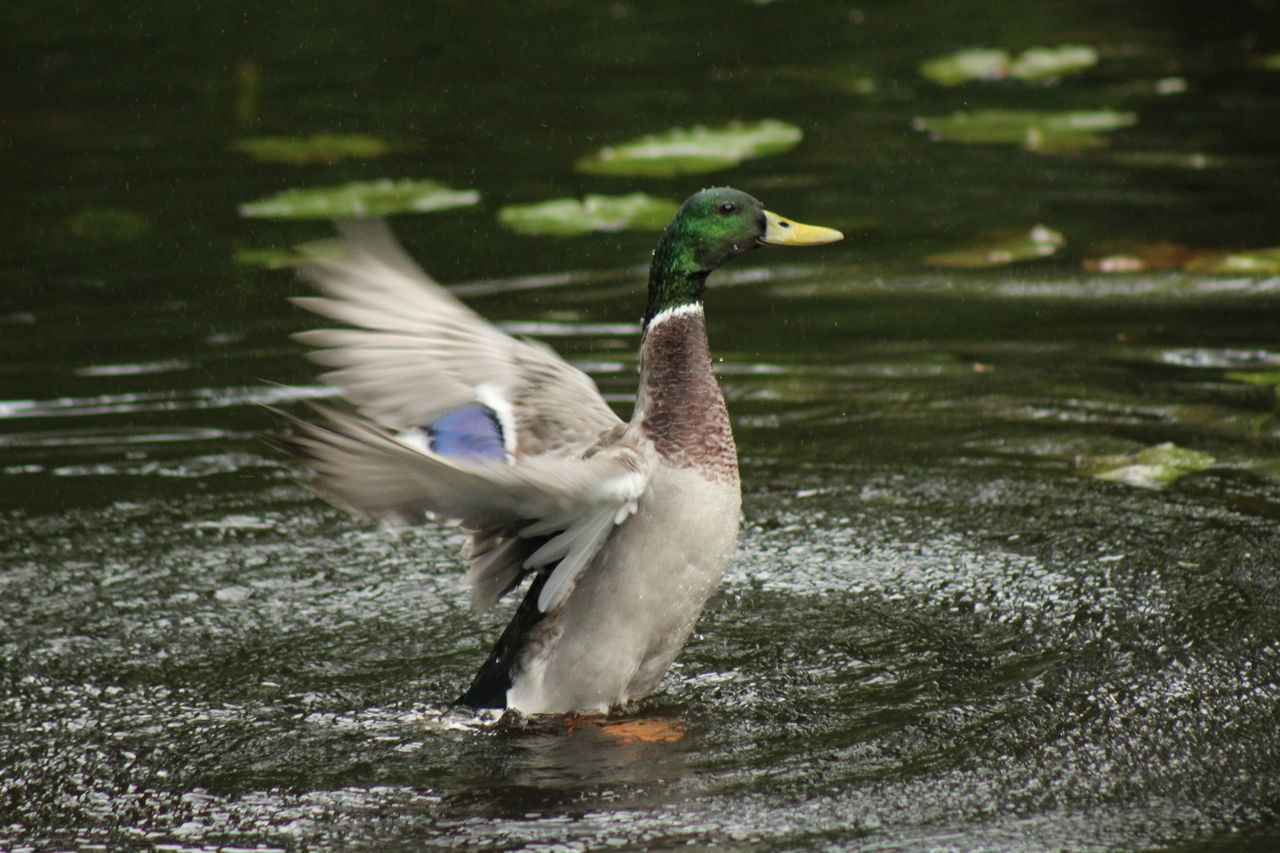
574 502
416 351
408 352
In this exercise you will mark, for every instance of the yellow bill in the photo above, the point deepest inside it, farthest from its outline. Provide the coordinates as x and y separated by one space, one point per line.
788 232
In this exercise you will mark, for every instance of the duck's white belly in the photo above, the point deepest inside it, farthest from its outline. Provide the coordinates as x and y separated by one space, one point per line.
634 607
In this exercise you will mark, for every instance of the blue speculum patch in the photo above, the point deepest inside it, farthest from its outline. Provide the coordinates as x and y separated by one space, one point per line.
470 432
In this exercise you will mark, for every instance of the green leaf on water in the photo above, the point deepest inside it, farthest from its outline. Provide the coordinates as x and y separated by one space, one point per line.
1003 249
319 148
977 63
1138 257
1046 63
692 150
362 198
1035 131
1267 379
565 216
1251 262
1036 64
1152 467
854 79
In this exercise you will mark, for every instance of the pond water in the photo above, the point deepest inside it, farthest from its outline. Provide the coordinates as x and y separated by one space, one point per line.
941 631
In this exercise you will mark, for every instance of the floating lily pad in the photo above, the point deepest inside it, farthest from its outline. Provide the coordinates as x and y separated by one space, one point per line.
1196 161
1152 467
684 151
320 148
845 77
856 82
1046 63
1039 242
1252 262
107 225
1166 256
1036 64
271 259
363 198
1034 131
1142 257
1268 379
965 65
594 213
1116 263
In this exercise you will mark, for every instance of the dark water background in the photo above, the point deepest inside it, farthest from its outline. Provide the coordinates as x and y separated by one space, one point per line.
939 633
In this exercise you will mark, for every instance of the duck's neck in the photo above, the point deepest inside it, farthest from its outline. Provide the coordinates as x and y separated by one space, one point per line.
679 405
676 279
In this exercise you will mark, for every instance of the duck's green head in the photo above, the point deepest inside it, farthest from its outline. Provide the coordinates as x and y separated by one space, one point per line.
710 229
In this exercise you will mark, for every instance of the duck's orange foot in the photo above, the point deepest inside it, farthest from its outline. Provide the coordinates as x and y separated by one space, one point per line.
625 730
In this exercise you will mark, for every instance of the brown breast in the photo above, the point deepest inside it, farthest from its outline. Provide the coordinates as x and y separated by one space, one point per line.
683 411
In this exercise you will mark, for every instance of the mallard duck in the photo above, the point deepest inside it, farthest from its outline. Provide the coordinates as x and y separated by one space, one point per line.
624 527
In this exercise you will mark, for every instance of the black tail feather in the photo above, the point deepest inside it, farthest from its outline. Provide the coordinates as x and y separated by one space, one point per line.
490 686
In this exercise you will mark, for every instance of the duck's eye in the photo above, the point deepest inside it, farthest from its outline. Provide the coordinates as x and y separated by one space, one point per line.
728 207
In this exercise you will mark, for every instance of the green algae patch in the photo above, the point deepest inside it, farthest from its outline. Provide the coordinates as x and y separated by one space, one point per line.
1152 467
1034 65
362 198
1045 132
1001 250
692 150
305 150
105 226
272 259
569 216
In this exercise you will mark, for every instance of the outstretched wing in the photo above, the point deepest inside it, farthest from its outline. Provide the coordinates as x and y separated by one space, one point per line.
460 420
415 352
546 511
